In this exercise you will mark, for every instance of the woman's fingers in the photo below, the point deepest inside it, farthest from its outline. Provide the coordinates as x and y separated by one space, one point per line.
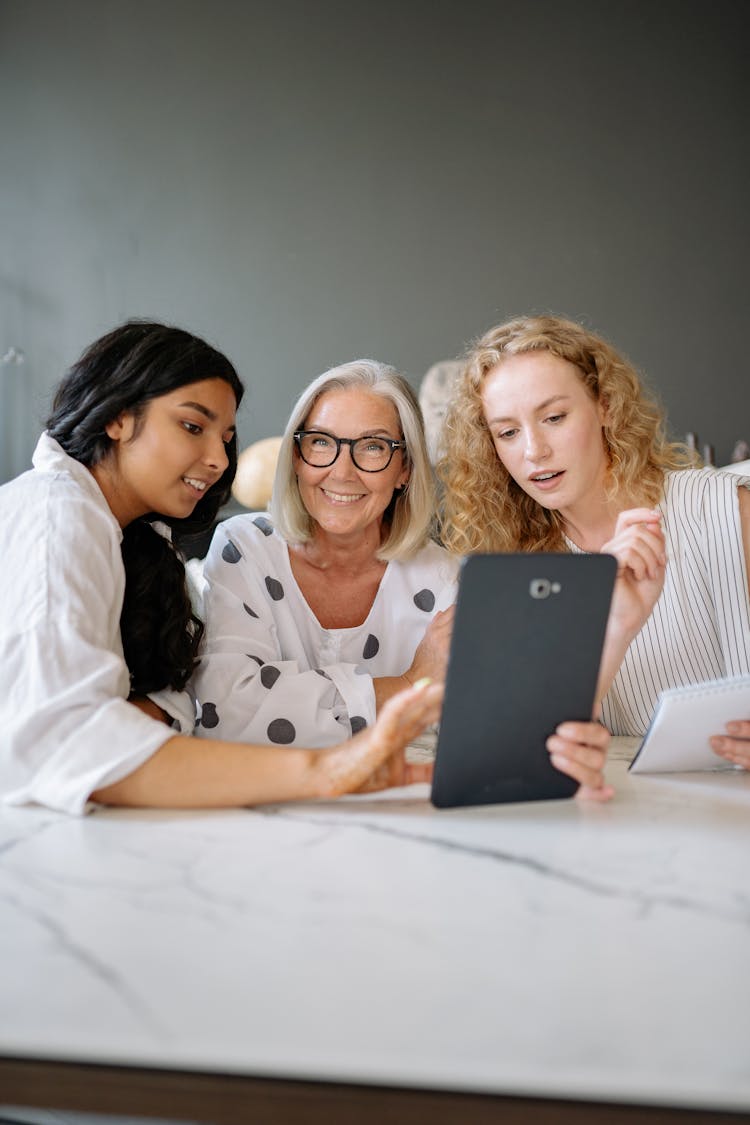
395 773
641 557
443 619
580 751
640 549
586 793
373 759
647 550
638 541
634 516
734 746
414 772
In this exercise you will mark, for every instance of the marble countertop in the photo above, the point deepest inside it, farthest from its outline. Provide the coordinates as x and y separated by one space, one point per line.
558 949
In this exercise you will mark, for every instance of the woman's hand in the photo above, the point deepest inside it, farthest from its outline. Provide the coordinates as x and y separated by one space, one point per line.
374 758
431 657
734 746
638 545
430 660
580 751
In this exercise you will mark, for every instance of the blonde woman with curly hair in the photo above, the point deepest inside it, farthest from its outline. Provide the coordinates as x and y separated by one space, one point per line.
553 444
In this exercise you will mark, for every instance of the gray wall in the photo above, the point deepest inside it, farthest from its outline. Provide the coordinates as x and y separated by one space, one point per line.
307 182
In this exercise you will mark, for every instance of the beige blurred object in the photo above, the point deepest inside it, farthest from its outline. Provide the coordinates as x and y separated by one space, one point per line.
434 393
741 452
256 466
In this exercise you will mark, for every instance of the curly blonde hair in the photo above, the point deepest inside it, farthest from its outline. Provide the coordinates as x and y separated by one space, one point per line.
483 507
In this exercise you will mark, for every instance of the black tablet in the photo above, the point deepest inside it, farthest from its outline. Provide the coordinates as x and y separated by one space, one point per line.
525 654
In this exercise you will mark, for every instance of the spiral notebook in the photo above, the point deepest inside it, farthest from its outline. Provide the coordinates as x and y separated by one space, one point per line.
684 720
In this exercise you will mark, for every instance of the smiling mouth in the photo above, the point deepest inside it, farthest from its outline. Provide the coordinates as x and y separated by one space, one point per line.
198 485
342 497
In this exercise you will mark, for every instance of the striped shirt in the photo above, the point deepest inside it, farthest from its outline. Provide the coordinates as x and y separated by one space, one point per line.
700 626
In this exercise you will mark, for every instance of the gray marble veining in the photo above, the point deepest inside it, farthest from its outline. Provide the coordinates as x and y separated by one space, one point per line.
559 948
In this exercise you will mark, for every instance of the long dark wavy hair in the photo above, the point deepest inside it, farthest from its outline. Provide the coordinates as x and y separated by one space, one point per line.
122 372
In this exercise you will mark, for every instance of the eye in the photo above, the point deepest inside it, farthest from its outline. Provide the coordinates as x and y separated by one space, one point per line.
555 418
192 428
321 441
503 435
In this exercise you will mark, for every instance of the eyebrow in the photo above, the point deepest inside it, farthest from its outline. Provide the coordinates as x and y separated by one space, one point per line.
542 406
367 433
210 414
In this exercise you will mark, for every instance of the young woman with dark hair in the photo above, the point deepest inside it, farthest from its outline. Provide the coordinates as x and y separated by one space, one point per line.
121 374
97 634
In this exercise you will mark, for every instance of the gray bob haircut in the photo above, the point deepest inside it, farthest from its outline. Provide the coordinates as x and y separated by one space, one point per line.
409 517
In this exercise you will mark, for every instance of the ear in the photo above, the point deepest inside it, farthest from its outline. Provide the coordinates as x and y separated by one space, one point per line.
403 479
121 428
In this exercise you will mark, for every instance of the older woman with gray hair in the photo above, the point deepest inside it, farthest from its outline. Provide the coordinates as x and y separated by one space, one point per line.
320 610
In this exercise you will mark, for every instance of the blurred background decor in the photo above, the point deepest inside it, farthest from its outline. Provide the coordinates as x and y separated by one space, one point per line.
305 183
256 466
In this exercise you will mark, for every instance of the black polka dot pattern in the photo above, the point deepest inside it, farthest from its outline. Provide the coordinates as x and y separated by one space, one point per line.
209 716
322 673
358 723
425 600
372 647
263 525
281 731
269 675
247 609
275 589
230 553
257 659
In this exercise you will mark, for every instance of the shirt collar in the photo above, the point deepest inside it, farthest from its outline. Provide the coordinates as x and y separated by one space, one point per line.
50 457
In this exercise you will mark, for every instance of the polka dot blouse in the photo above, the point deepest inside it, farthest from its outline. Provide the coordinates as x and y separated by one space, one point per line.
270 673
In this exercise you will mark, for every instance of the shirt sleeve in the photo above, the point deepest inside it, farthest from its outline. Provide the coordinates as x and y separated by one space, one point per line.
256 681
67 726
180 707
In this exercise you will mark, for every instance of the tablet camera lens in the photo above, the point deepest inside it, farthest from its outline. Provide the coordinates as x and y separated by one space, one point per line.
540 588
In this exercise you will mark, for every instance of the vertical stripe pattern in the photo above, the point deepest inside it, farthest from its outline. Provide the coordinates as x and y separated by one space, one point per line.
700 626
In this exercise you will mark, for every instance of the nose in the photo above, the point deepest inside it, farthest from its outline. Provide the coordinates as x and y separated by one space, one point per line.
537 446
343 466
215 454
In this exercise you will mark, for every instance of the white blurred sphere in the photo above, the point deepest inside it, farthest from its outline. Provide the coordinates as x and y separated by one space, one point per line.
256 466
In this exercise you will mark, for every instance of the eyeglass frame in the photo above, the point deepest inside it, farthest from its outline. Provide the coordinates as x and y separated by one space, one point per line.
351 442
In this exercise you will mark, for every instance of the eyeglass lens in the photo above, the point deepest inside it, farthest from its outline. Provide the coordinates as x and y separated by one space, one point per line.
368 453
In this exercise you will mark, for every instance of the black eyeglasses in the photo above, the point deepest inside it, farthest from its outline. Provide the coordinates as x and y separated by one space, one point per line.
369 454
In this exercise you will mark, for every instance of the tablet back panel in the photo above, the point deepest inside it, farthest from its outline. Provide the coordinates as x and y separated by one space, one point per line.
525 654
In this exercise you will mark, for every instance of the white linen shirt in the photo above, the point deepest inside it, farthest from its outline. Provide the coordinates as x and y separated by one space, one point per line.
270 673
66 728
